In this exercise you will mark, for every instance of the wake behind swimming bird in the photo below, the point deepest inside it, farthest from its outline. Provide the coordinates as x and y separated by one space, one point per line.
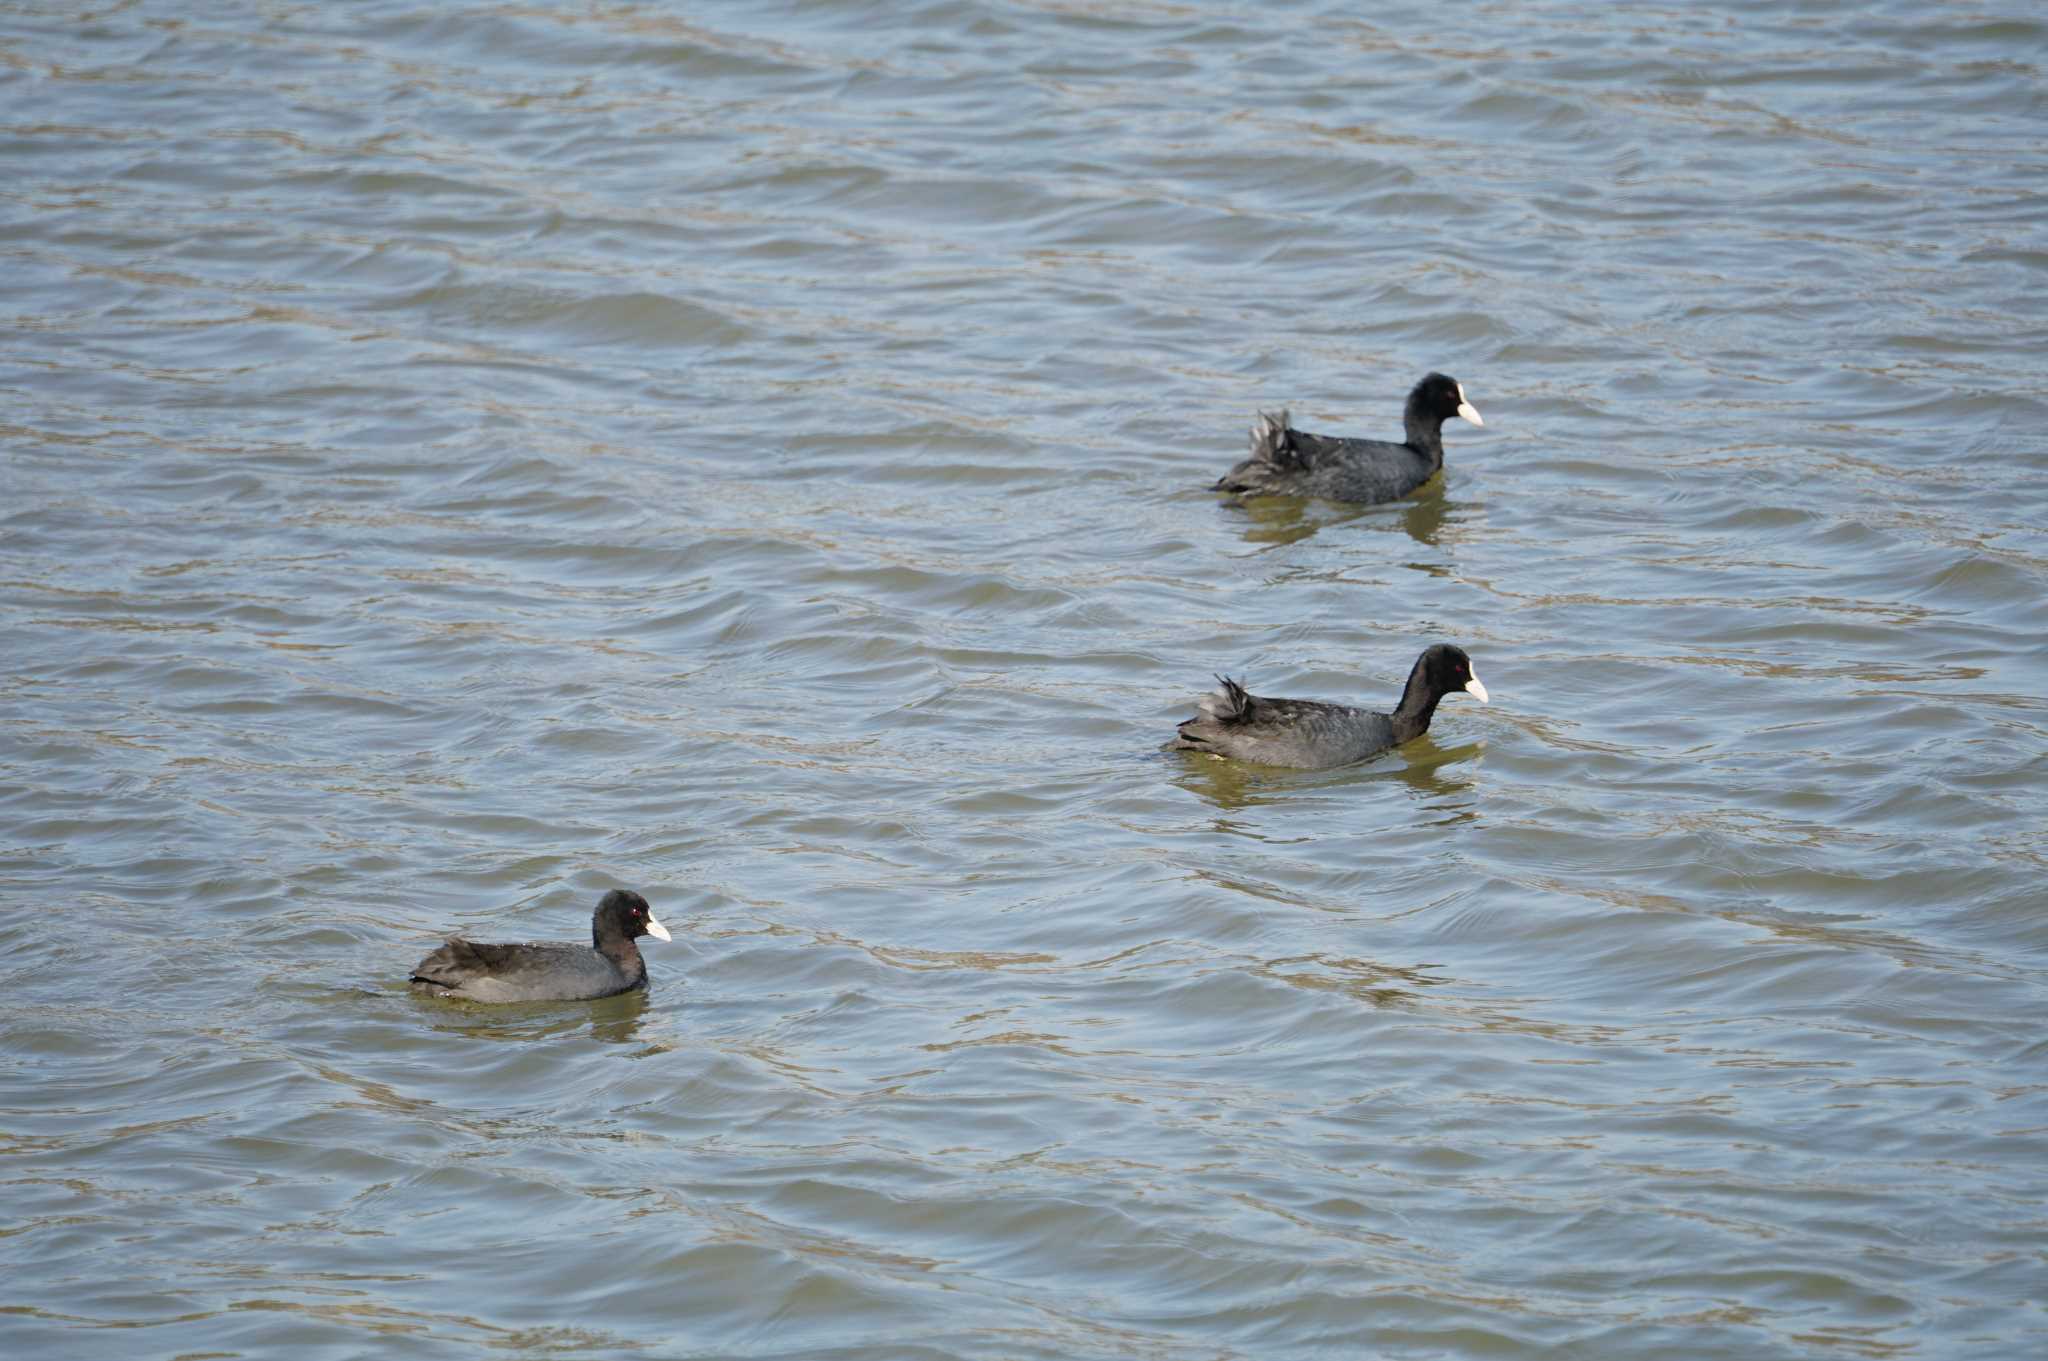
549 972
1312 735
1289 462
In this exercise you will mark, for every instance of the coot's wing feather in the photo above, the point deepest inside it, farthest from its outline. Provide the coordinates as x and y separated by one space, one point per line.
1283 732
459 959
1301 464
1323 451
521 972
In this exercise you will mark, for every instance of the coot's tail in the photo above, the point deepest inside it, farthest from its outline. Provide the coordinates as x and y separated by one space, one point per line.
1272 441
1229 703
1276 455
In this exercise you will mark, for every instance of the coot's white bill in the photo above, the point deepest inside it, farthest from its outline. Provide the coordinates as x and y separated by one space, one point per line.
660 932
1468 411
1472 687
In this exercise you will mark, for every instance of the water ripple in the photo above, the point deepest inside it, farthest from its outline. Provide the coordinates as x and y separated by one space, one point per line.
462 459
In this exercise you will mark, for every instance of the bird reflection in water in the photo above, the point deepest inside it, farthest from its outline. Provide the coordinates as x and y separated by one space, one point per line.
1278 520
1436 776
610 1020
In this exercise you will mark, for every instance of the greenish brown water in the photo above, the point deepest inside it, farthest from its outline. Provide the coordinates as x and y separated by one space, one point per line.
457 458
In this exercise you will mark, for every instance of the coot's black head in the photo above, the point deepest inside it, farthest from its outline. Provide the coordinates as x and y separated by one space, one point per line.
1440 397
623 912
1446 670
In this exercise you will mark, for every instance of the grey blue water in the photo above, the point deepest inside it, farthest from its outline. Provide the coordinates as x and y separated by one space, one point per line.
458 458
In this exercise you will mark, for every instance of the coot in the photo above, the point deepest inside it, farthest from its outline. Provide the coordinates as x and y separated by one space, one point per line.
1314 735
1289 462
548 972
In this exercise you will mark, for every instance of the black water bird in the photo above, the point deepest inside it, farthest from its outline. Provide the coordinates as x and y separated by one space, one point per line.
1289 462
549 972
1313 735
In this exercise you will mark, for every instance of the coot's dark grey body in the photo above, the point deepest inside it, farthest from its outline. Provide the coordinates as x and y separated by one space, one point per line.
1312 735
548 972
1289 462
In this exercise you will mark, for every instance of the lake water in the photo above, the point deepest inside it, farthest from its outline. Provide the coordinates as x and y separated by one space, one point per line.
461 457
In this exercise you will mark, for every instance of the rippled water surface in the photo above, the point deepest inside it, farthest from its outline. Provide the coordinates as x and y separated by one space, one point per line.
460 457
